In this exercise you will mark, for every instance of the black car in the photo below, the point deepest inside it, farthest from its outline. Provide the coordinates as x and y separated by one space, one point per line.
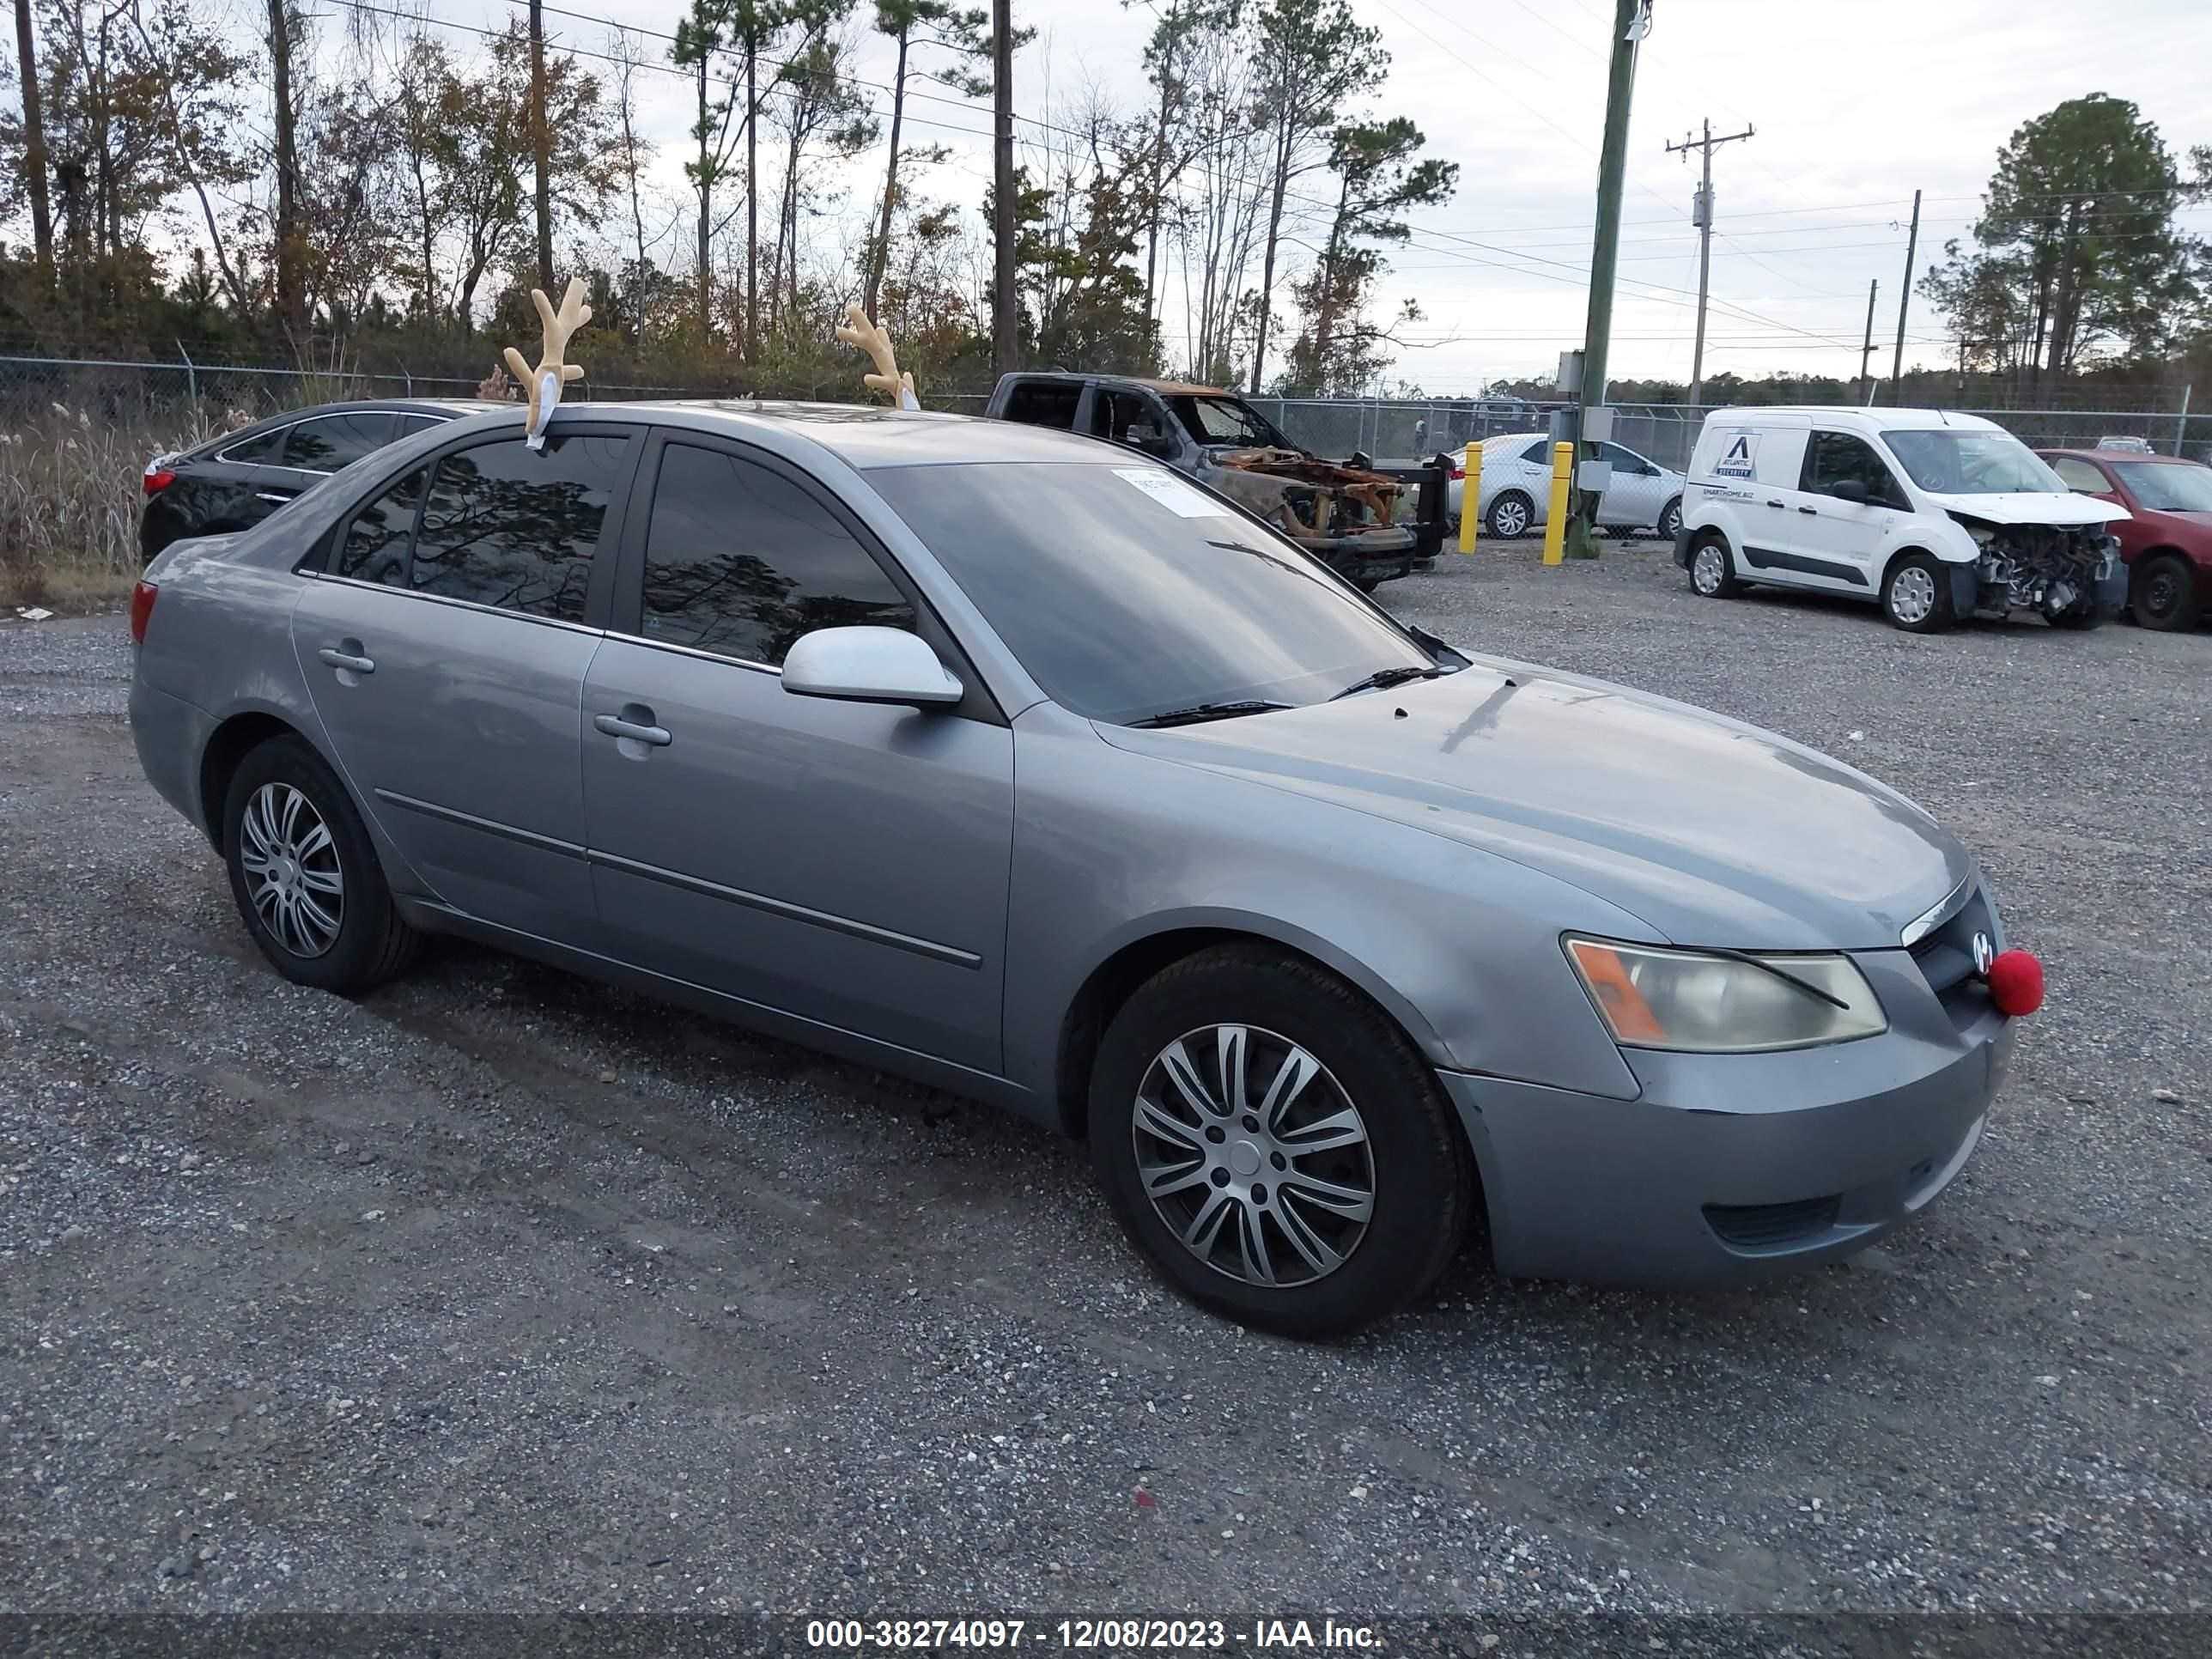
241 477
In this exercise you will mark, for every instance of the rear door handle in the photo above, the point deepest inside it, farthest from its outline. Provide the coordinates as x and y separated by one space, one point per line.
1814 511
1774 504
338 657
615 726
276 495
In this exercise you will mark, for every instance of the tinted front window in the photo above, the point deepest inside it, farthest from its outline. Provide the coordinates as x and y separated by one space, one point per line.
1834 458
2167 488
506 527
1127 591
1538 453
374 548
740 561
1959 461
330 442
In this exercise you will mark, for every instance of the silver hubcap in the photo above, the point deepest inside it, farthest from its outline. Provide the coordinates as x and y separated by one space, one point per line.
1913 595
1512 518
1706 569
1670 522
291 872
1253 1156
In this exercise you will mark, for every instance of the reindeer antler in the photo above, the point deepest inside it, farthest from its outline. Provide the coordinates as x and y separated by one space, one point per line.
545 382
870 338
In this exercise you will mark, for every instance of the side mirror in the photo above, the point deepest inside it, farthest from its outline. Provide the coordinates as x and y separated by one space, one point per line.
868 665
1849 489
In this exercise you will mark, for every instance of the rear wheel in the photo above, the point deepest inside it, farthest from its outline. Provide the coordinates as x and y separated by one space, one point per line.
1916 595
2163 593
304 875
1710 572
1274 1143
1670 519
1509 515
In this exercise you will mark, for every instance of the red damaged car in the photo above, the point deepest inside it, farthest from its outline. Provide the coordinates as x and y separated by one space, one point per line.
2166 542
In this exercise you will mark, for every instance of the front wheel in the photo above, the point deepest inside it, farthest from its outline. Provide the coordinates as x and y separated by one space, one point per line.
1709 572
2163 593
304 875
1275 1145
1671 520
1916 595
1510 514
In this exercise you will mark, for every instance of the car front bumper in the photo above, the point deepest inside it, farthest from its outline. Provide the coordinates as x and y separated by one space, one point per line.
1728 1168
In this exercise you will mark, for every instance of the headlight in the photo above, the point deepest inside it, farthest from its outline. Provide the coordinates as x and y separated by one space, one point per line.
1712 1003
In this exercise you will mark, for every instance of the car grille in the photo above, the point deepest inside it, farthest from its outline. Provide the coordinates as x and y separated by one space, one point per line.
1772 1226
1945 956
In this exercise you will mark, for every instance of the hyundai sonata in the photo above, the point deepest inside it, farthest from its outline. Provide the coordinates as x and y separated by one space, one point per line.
1029 768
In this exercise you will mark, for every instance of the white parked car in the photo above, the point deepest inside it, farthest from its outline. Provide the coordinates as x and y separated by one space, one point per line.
1516 488
1936 515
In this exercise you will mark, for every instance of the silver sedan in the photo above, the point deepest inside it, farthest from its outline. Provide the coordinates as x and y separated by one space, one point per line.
1033 770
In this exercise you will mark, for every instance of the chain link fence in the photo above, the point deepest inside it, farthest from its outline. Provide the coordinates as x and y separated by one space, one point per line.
188 398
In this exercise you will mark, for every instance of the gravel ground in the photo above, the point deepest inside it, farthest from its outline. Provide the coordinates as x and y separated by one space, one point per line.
503 1291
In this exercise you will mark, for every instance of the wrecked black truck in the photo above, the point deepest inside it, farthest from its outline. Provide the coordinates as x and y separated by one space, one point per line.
1368 524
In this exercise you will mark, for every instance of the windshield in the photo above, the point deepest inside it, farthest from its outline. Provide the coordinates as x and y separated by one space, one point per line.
1960 461
2167 488
1227 421
1129 591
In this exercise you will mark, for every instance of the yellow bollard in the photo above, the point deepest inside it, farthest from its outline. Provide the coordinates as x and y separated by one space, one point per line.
1470 499
1555 521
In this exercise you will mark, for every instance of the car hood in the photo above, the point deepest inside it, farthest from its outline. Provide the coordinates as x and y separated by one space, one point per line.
1710 831
2032 507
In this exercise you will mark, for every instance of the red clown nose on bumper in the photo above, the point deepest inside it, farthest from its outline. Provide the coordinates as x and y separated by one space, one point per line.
2016 982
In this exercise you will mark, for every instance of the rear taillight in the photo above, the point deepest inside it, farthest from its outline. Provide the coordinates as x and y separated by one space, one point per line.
158 479
1459 472
141 610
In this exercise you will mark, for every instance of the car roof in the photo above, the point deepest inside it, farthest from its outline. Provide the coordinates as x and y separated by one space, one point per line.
864 435
1851 415
454 408
1166 388
2133 457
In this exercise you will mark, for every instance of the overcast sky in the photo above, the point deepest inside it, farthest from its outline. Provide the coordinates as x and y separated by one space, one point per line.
1856 103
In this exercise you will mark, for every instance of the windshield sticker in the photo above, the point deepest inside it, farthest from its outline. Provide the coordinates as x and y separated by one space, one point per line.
1172 493
1743 451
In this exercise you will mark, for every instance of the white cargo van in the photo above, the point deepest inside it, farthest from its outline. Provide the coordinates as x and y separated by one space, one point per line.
1935 516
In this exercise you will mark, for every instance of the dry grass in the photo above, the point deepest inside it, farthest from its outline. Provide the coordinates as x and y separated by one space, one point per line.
69 499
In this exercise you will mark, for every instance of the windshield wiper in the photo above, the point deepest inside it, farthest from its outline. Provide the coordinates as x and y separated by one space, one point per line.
1388 676
1211 711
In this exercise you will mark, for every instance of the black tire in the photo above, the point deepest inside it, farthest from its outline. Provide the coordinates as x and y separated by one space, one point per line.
2163 593
372 943
1367 584
1415 1153
1671 520
1704 579
1914 620
1510 507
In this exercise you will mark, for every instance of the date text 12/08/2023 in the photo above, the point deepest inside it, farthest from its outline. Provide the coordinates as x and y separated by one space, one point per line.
857 1635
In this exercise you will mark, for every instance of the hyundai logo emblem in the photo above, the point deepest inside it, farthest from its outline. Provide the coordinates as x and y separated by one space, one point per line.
1984 954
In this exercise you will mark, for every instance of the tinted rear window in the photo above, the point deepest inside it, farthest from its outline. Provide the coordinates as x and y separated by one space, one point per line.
508 526
1043 403
264 450
330 442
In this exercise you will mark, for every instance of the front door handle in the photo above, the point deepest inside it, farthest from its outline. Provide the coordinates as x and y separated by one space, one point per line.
1814 511
276 495
1776 505
637 731
346 655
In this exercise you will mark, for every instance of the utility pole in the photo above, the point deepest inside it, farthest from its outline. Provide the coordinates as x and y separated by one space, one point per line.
1632 21
1904 300
1701 215
1004 309
538 144
1866 352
